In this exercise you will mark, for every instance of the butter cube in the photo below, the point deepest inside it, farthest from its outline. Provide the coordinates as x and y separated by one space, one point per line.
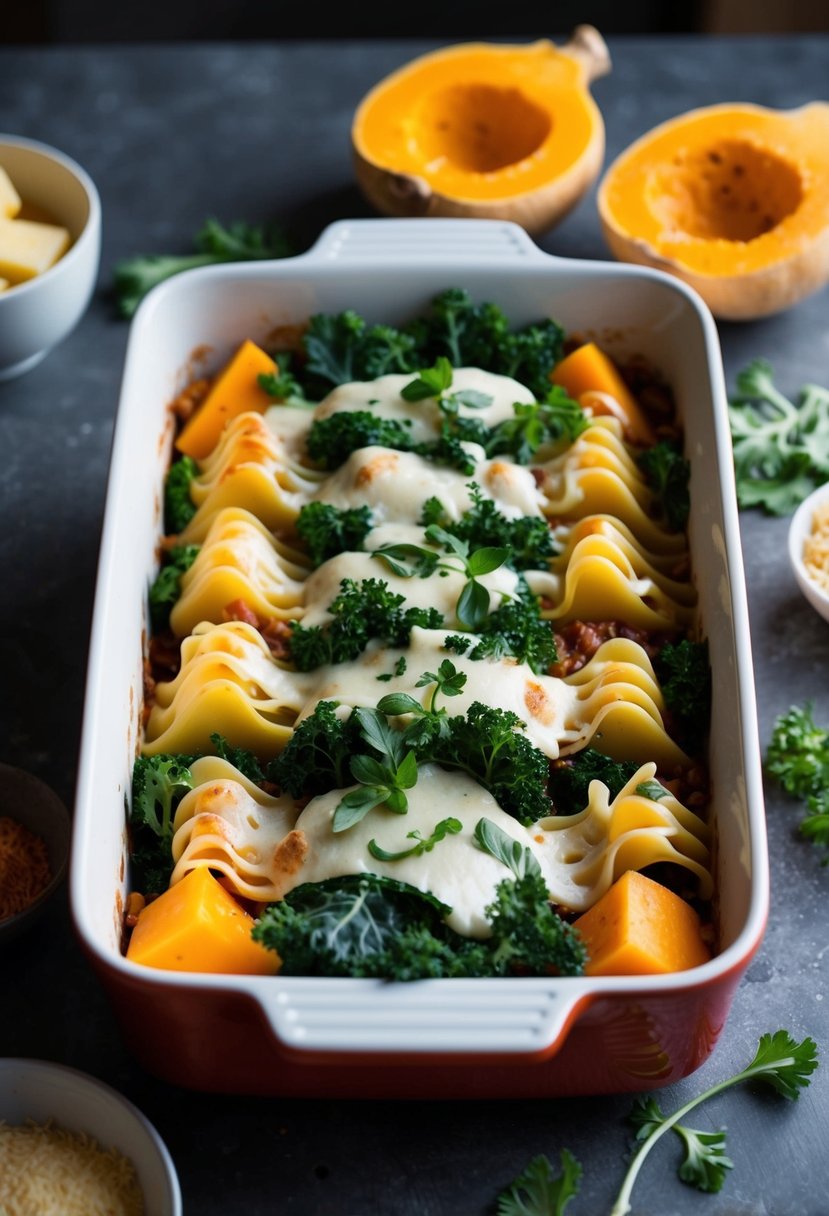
10 202
28 248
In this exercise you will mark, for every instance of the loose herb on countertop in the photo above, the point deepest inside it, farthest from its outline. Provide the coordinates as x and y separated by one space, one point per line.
779 1061
798 756
781 447
214 243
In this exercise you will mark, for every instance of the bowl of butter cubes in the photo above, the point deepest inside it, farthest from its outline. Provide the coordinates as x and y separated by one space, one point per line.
50 246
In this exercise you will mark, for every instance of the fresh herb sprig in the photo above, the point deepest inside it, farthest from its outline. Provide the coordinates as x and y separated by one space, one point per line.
214 243
537 424
781 447
384 778
798 756
424 844
779 1061
528 538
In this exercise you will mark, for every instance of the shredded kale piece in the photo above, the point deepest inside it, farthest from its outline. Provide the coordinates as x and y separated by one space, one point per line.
328 530
479 335
332 440
179 507
537 424
214 243
684 674
570 778
487 744
158 785
316 758
166 587
361 613
515 628
528 539
342 347
668 473
242 759
370 926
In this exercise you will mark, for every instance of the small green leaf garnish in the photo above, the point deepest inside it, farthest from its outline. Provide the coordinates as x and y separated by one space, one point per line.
425 844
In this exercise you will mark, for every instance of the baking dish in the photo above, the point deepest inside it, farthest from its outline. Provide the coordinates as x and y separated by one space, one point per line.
449 1038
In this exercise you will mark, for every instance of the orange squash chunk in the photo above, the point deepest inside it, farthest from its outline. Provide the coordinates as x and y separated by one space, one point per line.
589 370
197 925
235 391
639 927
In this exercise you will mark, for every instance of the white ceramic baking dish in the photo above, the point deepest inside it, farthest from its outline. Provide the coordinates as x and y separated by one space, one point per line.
490 1037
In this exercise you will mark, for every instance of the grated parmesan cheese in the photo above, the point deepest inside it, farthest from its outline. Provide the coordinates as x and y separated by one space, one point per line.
46 1170
816 548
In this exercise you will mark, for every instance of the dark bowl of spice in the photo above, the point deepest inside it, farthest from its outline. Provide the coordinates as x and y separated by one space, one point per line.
35 830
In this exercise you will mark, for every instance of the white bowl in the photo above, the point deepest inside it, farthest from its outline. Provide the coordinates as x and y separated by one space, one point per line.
799 529
35 316
38 1090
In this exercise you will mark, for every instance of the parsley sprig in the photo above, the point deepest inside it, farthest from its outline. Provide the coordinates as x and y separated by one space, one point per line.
779 1061
798 756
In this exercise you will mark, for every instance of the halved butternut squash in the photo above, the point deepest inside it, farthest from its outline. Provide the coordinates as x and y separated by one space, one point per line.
732 199
484 130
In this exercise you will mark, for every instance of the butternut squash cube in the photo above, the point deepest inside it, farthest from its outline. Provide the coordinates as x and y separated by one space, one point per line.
10 202
639 927
589 370
197 925
235 391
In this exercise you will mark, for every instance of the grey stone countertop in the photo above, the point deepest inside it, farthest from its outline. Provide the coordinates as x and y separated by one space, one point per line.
172 134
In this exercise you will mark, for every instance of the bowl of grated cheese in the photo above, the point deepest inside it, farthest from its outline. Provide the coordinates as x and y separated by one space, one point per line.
72 1146
809 548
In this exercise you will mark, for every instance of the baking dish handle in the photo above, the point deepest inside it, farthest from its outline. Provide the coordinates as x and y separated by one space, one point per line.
529 1017
423 240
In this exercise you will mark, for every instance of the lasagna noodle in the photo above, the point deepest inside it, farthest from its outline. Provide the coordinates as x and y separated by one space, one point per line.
239 560
229 683
247 469
233 828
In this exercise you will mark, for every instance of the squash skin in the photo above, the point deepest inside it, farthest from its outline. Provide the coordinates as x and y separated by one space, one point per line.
767 272
537 188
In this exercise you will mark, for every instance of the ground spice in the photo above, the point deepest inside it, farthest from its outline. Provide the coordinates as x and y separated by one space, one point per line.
24 867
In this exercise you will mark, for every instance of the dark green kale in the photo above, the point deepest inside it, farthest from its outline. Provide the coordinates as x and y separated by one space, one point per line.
179 507
479 335
166 588
684 675
515 629
242 759
328 530
528 539
488 744
369 926
282 385
332 440
798 756
214 243
342 347
570 778
316 758
362 612
158 785
537 424
667 473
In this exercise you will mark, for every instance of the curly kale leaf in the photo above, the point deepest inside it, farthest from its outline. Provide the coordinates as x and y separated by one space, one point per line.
370 926
361 613
158 785
516 629
316 758
570 778
179 507
332 440
684 674
537 424
667 473
528 538
328 530
166 587
342 347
